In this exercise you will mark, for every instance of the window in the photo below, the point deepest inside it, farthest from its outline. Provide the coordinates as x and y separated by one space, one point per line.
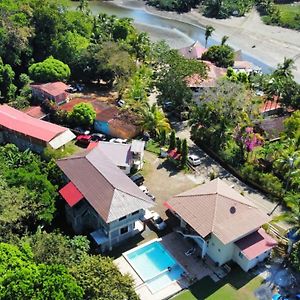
123 218
124 230
135 212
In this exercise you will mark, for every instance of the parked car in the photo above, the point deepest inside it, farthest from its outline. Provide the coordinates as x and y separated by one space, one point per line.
194 160
79 87
81 131
95 137
83 139
157 221
144 189
72 89
120 103
118 141
138 179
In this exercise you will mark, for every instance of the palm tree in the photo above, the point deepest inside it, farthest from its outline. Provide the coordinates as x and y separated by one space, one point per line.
292 217
84 7
286 68
224 40
154 120
208 33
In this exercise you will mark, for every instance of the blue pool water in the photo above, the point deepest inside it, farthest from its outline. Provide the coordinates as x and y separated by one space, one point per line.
151 262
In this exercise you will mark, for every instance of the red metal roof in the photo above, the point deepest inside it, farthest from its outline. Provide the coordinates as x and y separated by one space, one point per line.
18 121
71 194
255 244
52 88
35 112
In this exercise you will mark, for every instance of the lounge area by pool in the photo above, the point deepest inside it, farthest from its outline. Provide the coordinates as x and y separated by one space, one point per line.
154 265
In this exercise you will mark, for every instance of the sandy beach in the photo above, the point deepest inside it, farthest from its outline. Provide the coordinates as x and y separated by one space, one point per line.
269 44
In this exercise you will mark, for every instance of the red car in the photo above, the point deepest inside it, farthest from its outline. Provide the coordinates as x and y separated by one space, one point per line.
83 139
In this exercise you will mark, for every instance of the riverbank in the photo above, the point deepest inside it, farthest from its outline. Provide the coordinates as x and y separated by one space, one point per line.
269 44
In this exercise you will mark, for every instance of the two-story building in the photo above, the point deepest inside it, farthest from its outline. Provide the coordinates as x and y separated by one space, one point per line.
100 199
224 225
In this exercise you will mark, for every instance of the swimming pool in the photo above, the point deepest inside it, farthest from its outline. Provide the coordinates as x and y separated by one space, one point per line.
155 265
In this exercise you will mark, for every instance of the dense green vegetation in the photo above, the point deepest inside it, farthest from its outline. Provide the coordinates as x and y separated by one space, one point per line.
226 8
35 264
285 15
220 55
49 70
212 8
177 5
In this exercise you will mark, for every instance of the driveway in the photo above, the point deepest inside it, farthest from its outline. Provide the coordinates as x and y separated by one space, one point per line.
164 181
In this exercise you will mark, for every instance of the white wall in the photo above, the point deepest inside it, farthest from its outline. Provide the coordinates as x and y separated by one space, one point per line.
219 252
246 264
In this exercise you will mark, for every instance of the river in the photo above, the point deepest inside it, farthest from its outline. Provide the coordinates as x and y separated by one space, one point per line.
176 33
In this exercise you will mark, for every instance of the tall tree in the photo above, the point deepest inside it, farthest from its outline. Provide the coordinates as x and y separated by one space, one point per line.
49 70
184 153
83 114
208 33
153 120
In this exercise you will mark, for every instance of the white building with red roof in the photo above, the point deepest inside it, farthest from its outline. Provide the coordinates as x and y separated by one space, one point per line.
27 132
53 91
225 225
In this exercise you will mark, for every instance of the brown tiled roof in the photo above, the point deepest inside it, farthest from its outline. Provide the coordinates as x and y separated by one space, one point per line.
108 190
213 74
216 208
193 51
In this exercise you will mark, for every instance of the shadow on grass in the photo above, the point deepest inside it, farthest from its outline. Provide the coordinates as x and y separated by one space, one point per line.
207 287
170 167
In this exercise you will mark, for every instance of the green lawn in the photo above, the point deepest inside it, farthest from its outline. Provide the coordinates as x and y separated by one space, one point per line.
153 147
290 15
235 286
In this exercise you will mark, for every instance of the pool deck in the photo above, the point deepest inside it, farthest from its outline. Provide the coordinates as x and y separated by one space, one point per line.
176 246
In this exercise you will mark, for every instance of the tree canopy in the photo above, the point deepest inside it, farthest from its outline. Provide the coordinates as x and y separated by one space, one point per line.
49 70
221 55
83 114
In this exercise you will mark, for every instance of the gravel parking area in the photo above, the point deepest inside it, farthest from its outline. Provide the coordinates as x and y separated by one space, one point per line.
164 181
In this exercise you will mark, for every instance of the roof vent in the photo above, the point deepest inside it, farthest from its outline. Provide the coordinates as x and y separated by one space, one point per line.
232 210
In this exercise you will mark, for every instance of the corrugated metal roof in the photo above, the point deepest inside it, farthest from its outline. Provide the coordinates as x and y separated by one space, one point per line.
119 154
52 88
108 190
216 208
18 121
71 194
62 139
256 243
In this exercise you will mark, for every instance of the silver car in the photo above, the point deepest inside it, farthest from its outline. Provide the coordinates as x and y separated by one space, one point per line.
194 160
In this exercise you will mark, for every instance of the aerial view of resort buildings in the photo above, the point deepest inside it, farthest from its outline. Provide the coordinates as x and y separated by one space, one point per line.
150 149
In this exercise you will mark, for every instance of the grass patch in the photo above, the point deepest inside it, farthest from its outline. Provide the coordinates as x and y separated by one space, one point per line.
153 147
289 15
65 151
235 286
